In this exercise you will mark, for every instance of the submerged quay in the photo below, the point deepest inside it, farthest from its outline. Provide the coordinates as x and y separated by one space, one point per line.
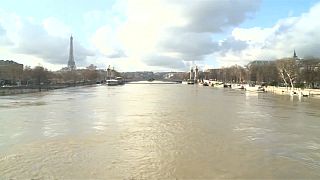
295 91
305 92
5 91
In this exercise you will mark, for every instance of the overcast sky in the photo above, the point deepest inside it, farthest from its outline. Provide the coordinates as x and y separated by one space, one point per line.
157 35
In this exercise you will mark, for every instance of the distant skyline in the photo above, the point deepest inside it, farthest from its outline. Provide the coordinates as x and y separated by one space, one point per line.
157 35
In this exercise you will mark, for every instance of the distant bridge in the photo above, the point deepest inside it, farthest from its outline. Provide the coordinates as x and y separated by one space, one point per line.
154 82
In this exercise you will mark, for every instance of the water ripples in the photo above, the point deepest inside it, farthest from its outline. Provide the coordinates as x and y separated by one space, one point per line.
141 131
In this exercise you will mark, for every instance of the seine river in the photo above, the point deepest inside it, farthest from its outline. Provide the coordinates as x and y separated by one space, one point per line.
158 131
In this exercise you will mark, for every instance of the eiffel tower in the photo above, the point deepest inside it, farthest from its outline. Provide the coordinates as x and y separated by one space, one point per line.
71 63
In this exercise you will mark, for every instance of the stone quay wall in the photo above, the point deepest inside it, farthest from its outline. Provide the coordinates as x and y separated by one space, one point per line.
297 91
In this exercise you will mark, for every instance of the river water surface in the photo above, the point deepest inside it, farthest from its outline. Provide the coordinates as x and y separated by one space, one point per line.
152 131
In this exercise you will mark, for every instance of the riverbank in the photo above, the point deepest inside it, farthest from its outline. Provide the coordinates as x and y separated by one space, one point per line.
273 89
294 91
5 91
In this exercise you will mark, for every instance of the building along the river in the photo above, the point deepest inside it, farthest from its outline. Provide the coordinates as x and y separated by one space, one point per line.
10 72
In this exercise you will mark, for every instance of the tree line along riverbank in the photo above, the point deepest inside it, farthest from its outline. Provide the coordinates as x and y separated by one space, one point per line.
4 91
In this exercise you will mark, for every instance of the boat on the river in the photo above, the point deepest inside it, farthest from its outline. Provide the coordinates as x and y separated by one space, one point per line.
227 85
218 84
112 82
205 84
115 82
252 87
190 81
120 80
238 86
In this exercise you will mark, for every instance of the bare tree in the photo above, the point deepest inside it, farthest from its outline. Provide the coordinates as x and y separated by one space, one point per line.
90 73
27 75
288 70
40 75
262 72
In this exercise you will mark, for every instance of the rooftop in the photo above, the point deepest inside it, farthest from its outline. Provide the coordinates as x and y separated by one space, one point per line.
6 62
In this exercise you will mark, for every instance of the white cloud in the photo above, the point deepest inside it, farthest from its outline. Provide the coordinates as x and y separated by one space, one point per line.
164 61
188 46
172 29
300 33
232 44
217 15
35 40
255 34
139 34
46 42
146 24
54 27
4 40
104 40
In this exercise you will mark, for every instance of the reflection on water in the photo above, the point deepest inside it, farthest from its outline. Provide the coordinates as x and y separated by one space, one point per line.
158 131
